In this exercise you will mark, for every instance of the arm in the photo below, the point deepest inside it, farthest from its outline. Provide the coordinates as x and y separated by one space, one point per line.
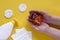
48 30
53 32
55 20
44 27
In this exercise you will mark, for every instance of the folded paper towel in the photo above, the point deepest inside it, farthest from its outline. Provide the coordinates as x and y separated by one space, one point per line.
22 34
5 30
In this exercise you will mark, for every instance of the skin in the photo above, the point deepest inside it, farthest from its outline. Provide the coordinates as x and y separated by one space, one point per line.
44 27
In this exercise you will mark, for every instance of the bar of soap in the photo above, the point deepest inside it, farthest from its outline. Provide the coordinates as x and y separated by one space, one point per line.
35 18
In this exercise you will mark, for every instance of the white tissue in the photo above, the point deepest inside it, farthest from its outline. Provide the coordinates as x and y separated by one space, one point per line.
22 34
19 32
5 30
26 36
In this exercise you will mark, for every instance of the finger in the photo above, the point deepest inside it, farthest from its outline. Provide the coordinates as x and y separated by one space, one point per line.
30 20
44 14
38 11
35 27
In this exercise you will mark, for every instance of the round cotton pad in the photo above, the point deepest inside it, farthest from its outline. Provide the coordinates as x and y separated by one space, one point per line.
8 13
22 7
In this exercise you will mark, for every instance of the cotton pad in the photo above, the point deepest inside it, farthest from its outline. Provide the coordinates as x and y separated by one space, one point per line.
8 13
22 7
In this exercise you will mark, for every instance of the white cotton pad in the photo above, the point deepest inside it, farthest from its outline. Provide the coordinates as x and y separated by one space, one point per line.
8 13
22 7
5 30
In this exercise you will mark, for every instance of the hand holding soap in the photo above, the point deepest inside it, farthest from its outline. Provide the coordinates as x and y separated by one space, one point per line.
35 18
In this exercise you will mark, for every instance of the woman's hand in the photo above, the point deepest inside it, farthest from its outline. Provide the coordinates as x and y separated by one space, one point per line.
46 17
41 28
44 27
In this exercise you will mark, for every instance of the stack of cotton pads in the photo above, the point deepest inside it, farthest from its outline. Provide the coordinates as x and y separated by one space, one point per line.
22 34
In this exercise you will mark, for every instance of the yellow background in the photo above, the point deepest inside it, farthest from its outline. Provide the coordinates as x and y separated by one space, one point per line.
51 6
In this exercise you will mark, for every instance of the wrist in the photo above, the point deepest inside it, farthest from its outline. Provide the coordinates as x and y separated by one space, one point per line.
50 19
55 20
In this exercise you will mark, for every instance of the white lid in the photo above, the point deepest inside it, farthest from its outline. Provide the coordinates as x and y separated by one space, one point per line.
22 7
8 13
